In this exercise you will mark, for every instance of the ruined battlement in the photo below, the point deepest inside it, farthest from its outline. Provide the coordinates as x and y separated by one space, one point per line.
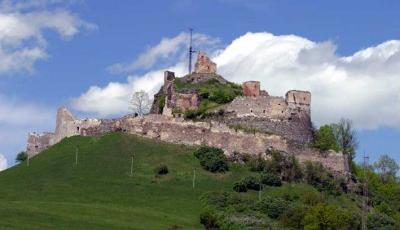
175 130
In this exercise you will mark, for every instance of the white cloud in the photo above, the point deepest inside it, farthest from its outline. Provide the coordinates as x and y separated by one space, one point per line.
364 87
17 119
168 50
114 98
22 27
15 112
3 162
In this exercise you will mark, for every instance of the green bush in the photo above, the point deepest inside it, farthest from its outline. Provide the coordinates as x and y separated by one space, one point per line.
317 176
312 198
252 183
161 170
274 207
21 157
293 218
380 221
240 187
271 179
212 159
285 165
325 139
256 163
323 216
209 219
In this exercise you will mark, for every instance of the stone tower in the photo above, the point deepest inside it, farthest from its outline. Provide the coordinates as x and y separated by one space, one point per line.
204 65
251 88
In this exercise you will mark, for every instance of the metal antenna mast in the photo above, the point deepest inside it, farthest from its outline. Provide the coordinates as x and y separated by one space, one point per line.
191 51
365 194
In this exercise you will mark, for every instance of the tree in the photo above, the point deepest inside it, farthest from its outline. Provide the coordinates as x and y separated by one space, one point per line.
21 157
346 138
328 217
325 138
140 102
386 167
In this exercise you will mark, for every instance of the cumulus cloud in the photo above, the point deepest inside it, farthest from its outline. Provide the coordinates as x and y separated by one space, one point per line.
17 119
168 50
364 86
3 162
113 99
22 26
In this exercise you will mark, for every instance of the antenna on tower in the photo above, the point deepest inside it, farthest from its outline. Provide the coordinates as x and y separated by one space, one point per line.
191 51
365 193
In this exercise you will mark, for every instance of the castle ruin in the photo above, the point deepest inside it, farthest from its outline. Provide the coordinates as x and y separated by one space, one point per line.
280 123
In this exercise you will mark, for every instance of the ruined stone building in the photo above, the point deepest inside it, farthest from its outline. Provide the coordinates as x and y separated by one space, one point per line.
282 123
289 116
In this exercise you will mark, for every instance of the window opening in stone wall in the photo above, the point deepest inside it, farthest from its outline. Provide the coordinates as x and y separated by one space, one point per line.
77 128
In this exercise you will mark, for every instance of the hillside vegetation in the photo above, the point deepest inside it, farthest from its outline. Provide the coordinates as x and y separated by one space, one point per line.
100 193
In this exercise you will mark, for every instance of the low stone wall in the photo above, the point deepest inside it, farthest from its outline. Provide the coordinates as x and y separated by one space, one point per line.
218 135
175 130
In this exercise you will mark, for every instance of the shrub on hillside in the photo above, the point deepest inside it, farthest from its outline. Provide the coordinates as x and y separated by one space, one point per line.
240 187
293 218
252 183
316 175
256 163
273 206
271 179
381 221
323 216
212 159
21 157
161 170
312 198
284 164
209 219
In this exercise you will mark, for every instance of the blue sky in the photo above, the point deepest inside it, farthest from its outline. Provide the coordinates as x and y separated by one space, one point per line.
60 49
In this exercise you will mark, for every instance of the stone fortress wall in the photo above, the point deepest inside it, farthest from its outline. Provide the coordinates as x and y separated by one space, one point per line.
288 116
66 126
175 130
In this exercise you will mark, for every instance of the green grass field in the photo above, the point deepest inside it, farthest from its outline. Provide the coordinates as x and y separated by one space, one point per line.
99 193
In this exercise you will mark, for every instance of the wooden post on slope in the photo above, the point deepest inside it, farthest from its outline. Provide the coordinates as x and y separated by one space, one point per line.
76 156
194 177
131 167
259 190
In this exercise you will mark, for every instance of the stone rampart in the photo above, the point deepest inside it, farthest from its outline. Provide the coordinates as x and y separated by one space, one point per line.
218 135
177 131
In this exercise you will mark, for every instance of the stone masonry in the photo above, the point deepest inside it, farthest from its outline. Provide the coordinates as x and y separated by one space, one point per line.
288 116
66 126
176 131
175 100
204 65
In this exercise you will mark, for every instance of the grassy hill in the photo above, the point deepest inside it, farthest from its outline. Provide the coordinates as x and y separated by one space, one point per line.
99 193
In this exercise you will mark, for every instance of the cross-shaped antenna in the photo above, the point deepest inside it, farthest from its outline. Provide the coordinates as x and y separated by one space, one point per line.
191 51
